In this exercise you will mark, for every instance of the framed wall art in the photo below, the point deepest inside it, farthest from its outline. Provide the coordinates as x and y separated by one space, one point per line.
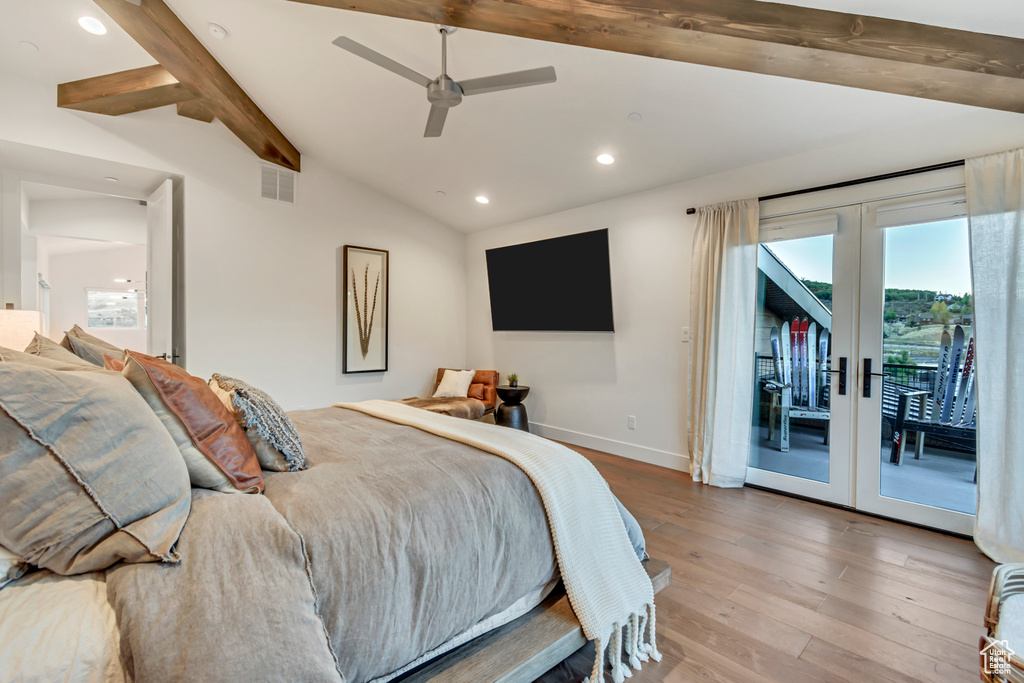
365 322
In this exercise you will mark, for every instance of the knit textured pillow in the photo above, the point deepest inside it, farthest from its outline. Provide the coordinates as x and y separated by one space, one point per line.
271 433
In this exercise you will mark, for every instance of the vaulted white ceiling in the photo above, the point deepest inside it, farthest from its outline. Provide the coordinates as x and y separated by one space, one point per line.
531 151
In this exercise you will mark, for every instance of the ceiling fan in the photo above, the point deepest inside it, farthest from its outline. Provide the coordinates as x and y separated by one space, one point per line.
442 92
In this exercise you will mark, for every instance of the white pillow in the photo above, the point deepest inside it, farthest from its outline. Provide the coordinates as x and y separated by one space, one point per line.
455 384
11 566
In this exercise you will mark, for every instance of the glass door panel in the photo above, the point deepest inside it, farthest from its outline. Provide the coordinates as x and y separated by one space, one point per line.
793 445
916 429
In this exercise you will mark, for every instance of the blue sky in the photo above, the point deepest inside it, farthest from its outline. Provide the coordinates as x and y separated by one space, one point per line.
929 256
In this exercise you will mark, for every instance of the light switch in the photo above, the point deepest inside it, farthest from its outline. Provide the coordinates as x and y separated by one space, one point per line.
685 334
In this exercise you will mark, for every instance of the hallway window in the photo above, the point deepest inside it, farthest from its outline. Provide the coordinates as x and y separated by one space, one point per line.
115 310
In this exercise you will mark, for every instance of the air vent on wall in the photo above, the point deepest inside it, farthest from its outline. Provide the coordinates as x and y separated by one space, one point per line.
277 184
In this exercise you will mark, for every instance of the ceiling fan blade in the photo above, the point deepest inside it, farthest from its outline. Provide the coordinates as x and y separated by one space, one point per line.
516 79
435 122
377 58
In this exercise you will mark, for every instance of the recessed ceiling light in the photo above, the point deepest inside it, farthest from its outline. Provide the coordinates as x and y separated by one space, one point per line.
120 279
218 31
111 178
635 117
440 194
605 159
482 199
28 47
92 25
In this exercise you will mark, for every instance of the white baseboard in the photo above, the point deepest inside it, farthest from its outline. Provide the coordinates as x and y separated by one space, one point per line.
652 456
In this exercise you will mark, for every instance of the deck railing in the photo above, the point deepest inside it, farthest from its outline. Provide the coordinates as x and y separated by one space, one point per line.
911 376
898 377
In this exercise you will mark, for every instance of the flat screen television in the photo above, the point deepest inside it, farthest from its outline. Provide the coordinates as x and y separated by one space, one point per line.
563 284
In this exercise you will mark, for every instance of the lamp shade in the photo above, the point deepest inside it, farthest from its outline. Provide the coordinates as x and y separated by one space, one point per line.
18 328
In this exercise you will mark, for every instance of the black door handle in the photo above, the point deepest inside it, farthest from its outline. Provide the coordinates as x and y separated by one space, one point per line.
842 375
867 377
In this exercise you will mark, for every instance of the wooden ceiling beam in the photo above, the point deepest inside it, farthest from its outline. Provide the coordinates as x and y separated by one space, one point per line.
196 109
123 92
871 53
156 28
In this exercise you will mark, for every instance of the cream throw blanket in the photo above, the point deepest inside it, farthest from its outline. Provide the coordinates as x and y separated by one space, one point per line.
607 586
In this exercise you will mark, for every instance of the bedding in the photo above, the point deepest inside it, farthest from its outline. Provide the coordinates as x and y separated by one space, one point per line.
59 628
395 544
609 591
89 477
11 566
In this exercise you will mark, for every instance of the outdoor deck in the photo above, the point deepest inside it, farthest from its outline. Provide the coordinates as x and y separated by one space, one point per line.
942 477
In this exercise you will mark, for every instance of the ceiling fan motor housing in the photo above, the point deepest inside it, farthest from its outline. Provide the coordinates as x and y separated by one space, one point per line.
444 92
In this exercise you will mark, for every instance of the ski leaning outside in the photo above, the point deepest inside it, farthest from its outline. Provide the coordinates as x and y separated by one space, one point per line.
969 410
786 400
823 378
965 379
812 366
938 391
803 362
787 377
951 376
780 376
794 334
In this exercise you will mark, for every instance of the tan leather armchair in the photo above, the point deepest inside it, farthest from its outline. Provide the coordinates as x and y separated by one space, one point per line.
483 387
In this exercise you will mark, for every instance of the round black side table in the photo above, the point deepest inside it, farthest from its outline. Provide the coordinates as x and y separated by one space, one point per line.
512 412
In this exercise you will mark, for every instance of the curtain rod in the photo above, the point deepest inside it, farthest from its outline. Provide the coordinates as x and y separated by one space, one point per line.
859 181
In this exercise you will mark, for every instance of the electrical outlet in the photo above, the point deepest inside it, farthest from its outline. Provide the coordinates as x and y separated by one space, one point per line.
685 334
631 421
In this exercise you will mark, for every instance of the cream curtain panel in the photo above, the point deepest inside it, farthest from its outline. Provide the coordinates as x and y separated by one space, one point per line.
723 285
995 207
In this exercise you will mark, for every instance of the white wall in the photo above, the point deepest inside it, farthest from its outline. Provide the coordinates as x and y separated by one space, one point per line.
111 219
71 273
583 386
261 278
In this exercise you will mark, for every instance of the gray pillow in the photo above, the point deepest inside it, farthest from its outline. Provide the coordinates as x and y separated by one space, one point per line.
89 352
88 474
47 348
271 433
53 363
77 332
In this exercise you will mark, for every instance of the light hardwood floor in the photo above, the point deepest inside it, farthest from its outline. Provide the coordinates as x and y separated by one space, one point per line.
771 588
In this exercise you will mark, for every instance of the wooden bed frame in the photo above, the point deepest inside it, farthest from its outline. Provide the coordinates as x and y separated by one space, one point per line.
522 650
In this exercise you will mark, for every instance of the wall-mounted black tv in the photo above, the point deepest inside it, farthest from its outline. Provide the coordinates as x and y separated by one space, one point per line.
562 284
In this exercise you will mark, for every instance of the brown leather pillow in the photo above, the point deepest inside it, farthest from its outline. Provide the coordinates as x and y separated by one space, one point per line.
216 451
112 363
476 390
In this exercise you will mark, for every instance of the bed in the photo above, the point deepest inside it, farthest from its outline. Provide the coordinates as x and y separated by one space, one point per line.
389 547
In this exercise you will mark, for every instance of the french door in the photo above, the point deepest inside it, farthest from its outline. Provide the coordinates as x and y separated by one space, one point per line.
862 395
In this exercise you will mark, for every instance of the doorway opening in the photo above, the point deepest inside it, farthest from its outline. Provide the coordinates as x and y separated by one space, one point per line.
95 243
89 252
864 359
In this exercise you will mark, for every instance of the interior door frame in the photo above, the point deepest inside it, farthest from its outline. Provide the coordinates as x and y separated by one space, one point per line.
876 217
906 198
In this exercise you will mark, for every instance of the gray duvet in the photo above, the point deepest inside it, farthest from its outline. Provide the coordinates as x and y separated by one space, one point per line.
391 543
